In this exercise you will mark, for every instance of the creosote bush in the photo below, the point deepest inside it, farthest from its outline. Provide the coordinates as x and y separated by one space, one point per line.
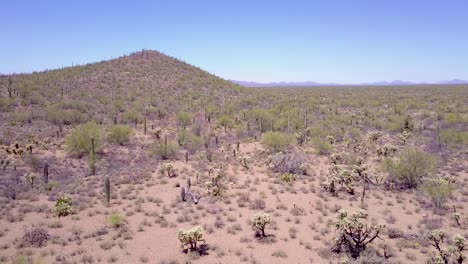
119 134
259 221
276 141
79 141
116 220
411 167
190 237
354 232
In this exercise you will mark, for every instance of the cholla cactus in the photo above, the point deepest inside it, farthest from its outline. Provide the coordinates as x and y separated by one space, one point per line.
259 221
217 184
31 178
190 237
404 136
63 206
288 177
168 169
340 179
451 254
336 158
331 139
386 150
354 233
375 135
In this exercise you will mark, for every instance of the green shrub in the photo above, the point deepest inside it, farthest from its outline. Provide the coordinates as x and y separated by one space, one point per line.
453 136
225 121
164 149
190 237
119 134
184 119
55 114
276 141
438 190
79 141
322 147
63 206
189 141
259 222
411 167
133 116
116 220
454 119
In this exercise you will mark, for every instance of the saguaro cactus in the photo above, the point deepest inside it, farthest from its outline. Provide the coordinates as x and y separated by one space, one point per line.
46 172
107 187
92 158
182 194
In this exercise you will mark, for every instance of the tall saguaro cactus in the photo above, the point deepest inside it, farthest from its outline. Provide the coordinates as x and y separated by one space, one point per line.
92 158
107 187
46 172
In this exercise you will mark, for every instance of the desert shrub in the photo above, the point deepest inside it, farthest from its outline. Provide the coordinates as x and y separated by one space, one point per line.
184 119
189 140
79 141
453 136
225 121
450 254
257 204
32 161
35 236
133 116
411 167
5 103
259 222
63 206
288 177
116 220
454 119
54 114
164 148
293 162
354 233
322 146
119 134
439 190
276 141
190 237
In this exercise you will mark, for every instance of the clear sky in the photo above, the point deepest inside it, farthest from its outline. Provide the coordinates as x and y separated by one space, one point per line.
348 41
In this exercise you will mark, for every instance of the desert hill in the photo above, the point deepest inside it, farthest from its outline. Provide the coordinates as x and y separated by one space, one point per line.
124 161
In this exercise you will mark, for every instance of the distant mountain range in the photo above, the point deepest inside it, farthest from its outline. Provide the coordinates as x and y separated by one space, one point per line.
310 83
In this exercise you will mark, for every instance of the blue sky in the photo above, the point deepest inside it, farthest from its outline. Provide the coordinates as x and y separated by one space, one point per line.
348 41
